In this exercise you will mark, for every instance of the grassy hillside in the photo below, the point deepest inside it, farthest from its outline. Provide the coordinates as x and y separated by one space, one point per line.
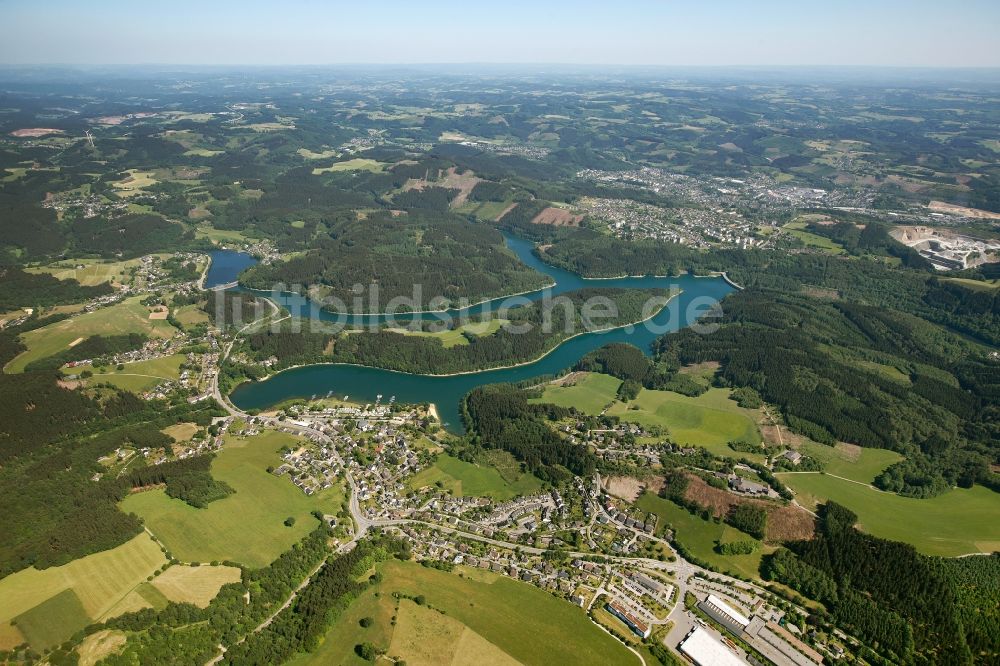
710 420
488 619
463 479
590 393
247 526
956 523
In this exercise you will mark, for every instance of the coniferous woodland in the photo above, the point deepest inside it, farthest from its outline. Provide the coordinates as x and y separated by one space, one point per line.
500 417
528 332
926 393
906 605
444 254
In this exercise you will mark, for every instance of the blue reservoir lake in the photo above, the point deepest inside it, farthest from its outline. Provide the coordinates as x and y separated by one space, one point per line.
362 384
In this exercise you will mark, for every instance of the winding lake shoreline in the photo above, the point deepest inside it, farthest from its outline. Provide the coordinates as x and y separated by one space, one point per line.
446 391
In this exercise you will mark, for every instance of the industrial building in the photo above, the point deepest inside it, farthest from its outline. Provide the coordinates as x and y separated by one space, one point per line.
704 650
724 614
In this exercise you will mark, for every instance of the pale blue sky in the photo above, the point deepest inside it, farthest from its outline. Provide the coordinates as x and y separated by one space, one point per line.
665 32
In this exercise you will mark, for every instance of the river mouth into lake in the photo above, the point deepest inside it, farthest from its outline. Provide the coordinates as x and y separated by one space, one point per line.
364 384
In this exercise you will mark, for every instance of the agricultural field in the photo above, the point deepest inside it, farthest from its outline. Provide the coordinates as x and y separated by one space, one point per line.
487 619
710 420
247 526
88 272
851 461
181 432
138 376
468 479
797 229
313 155
959 522
129 316
220 236
589 392
357 164
190 315
134 183
194 585
700 536
83 591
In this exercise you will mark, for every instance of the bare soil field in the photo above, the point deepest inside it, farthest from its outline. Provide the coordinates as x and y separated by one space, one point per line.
35 132
558 217
452 180
952 209
630 488
784 523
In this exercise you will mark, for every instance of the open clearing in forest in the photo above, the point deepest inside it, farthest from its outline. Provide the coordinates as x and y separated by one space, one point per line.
247 526
195 585
589 392
357 164
557 217
503 620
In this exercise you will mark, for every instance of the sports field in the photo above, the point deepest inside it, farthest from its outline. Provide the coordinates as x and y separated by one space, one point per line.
699 536
247 526
468 479
710 420
90 586
487 619
129 316
959 522
590 393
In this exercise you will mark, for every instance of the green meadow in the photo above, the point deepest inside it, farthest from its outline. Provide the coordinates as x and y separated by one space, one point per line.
710 420
591 393
247 526
129 316
469 479
699 536
484 619
959 522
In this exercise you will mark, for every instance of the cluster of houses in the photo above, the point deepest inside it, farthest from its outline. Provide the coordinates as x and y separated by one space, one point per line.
311 469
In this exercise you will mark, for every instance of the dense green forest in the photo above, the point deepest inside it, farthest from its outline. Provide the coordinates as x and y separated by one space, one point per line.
49 449
926 393
443 256
22 289
901 603
500 417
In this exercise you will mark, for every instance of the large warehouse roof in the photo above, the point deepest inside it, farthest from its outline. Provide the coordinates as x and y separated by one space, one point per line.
706 651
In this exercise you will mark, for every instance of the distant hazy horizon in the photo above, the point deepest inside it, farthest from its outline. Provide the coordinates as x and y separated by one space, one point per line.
886 33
